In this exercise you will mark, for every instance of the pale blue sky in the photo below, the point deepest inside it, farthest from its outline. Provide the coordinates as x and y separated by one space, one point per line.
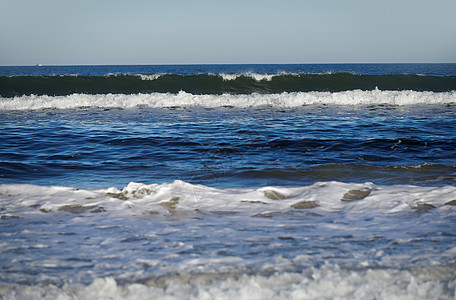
247 31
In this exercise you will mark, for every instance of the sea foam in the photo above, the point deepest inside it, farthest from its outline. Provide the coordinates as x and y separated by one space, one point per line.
184 99
137 198
327 283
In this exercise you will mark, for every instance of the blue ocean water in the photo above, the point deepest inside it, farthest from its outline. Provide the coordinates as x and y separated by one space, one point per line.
236 181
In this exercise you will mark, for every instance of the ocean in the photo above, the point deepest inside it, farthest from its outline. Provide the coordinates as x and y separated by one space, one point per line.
325 181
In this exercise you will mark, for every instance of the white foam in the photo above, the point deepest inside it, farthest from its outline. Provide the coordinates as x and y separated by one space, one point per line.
227 76
183 99
329 282
149 76
257 77
167 198
142 76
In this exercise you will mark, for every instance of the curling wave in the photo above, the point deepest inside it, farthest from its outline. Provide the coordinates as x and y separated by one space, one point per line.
209 83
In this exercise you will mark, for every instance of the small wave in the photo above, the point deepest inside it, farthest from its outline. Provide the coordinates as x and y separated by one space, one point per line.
166 198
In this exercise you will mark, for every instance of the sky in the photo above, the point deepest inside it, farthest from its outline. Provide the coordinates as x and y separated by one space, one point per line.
74 32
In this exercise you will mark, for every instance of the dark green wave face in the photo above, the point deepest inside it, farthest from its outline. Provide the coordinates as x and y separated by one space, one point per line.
57 85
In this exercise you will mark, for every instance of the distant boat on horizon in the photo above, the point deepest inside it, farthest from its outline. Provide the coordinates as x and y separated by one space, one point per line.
39 65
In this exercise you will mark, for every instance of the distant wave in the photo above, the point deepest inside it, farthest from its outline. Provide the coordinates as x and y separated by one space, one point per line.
184 99
223 83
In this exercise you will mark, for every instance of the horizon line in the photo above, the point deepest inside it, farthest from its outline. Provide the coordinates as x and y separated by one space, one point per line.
190 64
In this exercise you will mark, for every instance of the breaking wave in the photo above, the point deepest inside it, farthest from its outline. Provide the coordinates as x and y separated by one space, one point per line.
222 83
185 99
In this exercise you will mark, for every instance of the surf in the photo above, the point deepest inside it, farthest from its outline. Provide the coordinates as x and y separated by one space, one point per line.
184 99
